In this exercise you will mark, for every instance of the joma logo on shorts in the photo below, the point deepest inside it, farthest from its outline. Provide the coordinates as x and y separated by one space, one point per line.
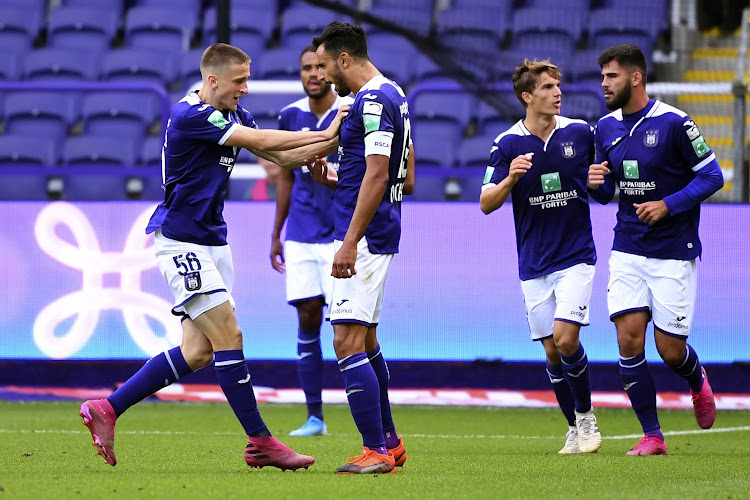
580 314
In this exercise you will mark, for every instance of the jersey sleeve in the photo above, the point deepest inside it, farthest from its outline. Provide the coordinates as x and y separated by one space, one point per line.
378 119
498 167
691 145
206 123
604 193
246 118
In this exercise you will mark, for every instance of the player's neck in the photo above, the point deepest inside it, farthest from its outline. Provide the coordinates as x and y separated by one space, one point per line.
540 125
320 107
637 102
360 75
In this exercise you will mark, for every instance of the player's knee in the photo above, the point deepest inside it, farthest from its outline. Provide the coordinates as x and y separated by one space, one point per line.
672 357
567 345
198 358
310 315
346 345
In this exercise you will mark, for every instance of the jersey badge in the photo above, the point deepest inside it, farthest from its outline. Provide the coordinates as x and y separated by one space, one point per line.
630 169
551 182
193 281
700 147
568 150
651 138
217 120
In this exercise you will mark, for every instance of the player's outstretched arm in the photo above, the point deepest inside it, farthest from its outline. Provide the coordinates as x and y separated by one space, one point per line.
297 157
274 140
493 196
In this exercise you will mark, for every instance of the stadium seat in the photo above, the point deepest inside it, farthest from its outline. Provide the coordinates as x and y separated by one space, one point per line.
267 122
27 149
160 28
428 187
584 104
9 66
250 28
88 28
608 27
480 28
506 5
18 29
425 69
581 6
456 107
25 187
126 115
300 23
61 64
582 68
415 20
40 114
657 9
277 64
424 5
544 29
490 121
396 66
394 42
98 150
428 134
116 5
189 72
151 152
97 186
434 153
268 105
475 151
143 65
190 5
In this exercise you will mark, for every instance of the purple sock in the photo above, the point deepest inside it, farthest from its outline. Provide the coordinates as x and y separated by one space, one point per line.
381 371
363 393
234 379
562 392
690 369
576 369
158 372
639 384
310 370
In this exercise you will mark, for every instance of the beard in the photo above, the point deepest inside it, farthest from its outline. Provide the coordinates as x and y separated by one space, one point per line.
621 98
338 81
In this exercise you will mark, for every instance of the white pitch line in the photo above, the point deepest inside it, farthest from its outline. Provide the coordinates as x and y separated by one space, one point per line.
426 436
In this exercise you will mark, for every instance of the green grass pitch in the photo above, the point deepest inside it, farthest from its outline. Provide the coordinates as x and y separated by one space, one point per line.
194 450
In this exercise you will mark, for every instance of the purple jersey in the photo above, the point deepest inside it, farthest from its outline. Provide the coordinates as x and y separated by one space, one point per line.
310 217
378 123
195 170
550 202
652 154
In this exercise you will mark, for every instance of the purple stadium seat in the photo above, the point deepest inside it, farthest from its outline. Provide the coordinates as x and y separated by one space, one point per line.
545 28
250 27
189 71
415 20
160 28
99 150
301 22
27 149
458 108
90 28
126 115
479 27
268 105
475 151
397 66
151 153
45 114
428 134
583 104
608 27
9 66
277 64
491 122
18 28
146 65
61 64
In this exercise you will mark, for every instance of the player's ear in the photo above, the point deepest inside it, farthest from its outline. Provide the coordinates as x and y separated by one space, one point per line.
526 96
345 59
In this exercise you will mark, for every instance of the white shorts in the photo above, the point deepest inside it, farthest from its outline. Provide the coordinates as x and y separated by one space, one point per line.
308 270
358 299
559 296
665 287
200 276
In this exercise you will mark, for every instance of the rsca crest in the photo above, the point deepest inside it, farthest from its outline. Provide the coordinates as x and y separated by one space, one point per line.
651 138
568 150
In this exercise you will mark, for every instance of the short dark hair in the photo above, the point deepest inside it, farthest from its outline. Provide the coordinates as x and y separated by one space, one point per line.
526 76
309 48
221 54
627 56
341 37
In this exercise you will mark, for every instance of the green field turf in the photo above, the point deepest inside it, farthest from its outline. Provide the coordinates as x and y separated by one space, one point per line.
194 450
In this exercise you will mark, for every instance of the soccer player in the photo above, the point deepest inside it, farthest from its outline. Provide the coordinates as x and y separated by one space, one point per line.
204 133
305 206
543 161
657 157
376 167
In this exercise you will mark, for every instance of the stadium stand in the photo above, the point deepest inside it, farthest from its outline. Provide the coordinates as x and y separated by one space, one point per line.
475 42
37 114
118 114
24 149
84 28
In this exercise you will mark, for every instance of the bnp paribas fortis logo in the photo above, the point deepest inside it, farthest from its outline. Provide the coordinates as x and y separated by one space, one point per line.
630 169
551 182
